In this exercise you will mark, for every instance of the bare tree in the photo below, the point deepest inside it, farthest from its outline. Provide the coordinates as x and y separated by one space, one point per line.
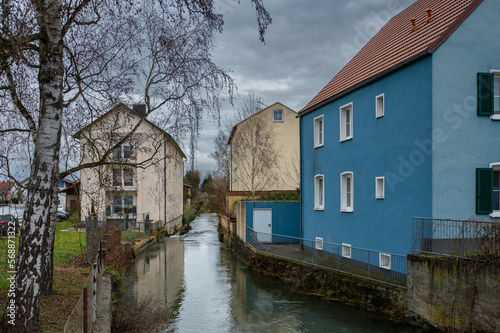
221 154
71 60
254 154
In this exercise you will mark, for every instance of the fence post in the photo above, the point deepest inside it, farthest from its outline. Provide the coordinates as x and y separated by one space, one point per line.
94 292
85 311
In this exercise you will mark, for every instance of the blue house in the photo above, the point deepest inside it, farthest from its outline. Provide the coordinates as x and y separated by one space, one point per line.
410 127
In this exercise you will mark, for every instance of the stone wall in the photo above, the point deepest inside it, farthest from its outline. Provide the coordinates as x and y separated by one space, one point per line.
454 293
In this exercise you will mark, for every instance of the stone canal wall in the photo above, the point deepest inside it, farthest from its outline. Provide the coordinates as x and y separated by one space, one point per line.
328 284
450 293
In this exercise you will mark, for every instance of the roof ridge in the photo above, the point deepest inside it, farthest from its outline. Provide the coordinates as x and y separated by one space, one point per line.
391 47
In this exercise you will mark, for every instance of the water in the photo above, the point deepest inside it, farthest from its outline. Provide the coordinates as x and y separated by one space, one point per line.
207 289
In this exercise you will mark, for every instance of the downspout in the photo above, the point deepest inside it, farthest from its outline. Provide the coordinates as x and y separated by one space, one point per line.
165 182
301 173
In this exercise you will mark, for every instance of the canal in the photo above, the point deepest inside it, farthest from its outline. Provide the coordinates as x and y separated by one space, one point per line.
207 289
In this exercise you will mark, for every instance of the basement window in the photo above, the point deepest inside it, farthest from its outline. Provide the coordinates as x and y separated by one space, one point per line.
384 260
346 250
319 243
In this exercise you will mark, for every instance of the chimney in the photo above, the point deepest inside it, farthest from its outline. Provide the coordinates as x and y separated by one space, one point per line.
429 15
140 109
413 24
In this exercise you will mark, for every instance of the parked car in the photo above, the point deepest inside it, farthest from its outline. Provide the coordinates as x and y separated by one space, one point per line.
5 223
61 213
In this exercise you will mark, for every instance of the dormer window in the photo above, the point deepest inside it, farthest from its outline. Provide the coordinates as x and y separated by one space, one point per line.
278 115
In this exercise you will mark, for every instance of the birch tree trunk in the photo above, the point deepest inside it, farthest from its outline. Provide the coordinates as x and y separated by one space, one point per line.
35 237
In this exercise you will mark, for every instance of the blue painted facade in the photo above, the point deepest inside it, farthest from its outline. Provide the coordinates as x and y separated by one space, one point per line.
285 217
469 141
427 151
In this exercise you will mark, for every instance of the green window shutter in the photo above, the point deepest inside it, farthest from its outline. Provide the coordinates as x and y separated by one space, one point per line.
485 94
484 191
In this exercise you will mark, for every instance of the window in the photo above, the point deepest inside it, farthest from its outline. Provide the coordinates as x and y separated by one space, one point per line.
319 243
384 260
379 106
124 151
346 122
278 115
319 192
488 190
496 93
488 94
318 132
379 188
235 174
122 176
346 250
346 192
122 204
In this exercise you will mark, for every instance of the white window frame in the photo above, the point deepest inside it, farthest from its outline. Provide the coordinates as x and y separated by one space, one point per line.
496 168
282 116
319 196
384 260
122 177
346 196
319 131
379 188
319 243
379 106
496 75
346 122
121 150
346 250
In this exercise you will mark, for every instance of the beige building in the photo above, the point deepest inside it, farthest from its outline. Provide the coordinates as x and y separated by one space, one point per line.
264 154
142 175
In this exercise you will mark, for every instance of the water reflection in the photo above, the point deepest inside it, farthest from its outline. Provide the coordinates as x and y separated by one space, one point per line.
207 289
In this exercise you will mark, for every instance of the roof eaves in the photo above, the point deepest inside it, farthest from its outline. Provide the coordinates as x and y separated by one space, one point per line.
366 82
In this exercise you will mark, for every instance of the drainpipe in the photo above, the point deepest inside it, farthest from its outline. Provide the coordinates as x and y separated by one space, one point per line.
301 173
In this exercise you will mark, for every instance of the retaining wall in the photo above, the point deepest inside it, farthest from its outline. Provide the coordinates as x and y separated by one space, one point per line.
457 294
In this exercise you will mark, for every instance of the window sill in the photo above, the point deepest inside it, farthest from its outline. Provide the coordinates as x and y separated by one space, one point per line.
495 214
346 139
278 121
350 210
319 208
318 146
495 117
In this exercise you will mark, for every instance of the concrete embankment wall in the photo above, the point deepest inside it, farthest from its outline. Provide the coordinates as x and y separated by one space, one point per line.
462 295
331 285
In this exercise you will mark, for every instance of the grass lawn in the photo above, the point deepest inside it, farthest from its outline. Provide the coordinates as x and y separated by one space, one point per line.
70 273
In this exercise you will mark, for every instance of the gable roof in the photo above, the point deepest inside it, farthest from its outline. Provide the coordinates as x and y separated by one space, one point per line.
235 127
396 46
126 108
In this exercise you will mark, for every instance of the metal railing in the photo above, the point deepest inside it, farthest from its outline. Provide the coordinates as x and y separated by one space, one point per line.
460 238
379 266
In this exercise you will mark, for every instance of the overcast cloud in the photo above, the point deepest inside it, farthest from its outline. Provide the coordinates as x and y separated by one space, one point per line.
307 44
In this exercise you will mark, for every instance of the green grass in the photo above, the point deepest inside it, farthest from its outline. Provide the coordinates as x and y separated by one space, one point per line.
131 235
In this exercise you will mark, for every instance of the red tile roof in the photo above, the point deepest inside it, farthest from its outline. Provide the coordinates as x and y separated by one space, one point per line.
396 44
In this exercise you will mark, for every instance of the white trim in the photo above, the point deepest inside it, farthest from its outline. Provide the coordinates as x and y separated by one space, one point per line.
495 117
379 114
343 122
496 75
344 192
382 260
319 196
319 243
379 192
496 167
319 136
346 250
282 116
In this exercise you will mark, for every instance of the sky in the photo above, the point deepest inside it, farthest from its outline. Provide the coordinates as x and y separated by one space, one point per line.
307 44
